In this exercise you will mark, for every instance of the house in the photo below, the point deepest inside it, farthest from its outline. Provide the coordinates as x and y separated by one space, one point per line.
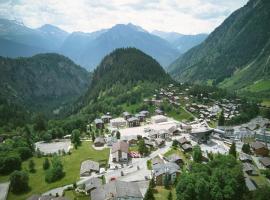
148 144
133 122
99 142
106 118
160 171
126 115
130 139
159 112
145 113
186 128
140 116
111 140
201 134
118 122
157 160
183 140
89 166
163 134
174 158
99 123
249 169
160 142
259 148
117 190
120 152
89 185
186 147
159 119
243 157
265 161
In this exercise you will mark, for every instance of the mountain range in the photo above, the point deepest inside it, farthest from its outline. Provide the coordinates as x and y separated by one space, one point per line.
88 49
235 55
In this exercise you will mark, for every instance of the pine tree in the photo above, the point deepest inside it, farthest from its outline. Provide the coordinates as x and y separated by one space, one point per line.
46 164
149 194
232 150
170 196
31 166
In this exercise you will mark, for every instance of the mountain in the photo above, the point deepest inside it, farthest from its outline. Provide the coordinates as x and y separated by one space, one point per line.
128 35
53 33
180 41
125 76
75 44
235 55
43 82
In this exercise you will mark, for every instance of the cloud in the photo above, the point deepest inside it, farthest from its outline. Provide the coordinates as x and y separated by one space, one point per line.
192 16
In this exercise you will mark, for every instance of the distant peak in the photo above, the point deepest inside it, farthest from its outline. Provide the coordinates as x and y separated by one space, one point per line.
129 26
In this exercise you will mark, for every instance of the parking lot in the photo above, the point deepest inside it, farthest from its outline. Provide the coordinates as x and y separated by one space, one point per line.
54 147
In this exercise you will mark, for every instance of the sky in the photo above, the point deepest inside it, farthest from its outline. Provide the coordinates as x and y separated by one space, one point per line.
182 16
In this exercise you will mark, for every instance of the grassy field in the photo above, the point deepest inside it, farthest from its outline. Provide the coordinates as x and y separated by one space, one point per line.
180 114
71 167
162 193
71 194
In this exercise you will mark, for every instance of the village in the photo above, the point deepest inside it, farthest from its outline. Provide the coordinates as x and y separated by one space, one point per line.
152 146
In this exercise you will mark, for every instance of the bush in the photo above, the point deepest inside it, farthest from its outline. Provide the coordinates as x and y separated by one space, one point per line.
24 152
55 172
9 163
19 181
46 164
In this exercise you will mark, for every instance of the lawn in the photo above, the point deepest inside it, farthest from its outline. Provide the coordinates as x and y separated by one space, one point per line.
180 114
162 193
71 167
71 194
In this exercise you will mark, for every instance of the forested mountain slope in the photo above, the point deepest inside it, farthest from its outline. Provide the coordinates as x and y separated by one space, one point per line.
43 82
235 55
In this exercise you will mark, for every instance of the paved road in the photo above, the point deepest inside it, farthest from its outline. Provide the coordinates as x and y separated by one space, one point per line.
4 190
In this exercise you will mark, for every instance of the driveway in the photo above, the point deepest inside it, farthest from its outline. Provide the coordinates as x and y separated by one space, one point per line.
4 190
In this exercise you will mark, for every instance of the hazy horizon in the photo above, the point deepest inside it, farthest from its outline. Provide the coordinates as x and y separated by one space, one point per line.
186 17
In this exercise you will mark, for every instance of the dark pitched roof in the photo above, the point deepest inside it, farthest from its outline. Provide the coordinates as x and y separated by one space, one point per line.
122 146
173 158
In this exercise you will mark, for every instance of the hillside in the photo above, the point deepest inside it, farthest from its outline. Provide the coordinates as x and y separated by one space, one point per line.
234 56
124 77
43 82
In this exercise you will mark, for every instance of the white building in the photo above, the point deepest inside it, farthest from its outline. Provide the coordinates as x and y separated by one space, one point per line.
159 119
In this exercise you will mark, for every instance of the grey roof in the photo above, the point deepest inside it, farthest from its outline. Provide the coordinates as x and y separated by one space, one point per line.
89 165
106 117
132 119
91 183
245 157
145 112
248 167
157 160
139 115
165 168
257 145
159 141
250 185
186 146
265 161
120 146
98 121
100 140
173 158
116 190
126 114
45 197
183 140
